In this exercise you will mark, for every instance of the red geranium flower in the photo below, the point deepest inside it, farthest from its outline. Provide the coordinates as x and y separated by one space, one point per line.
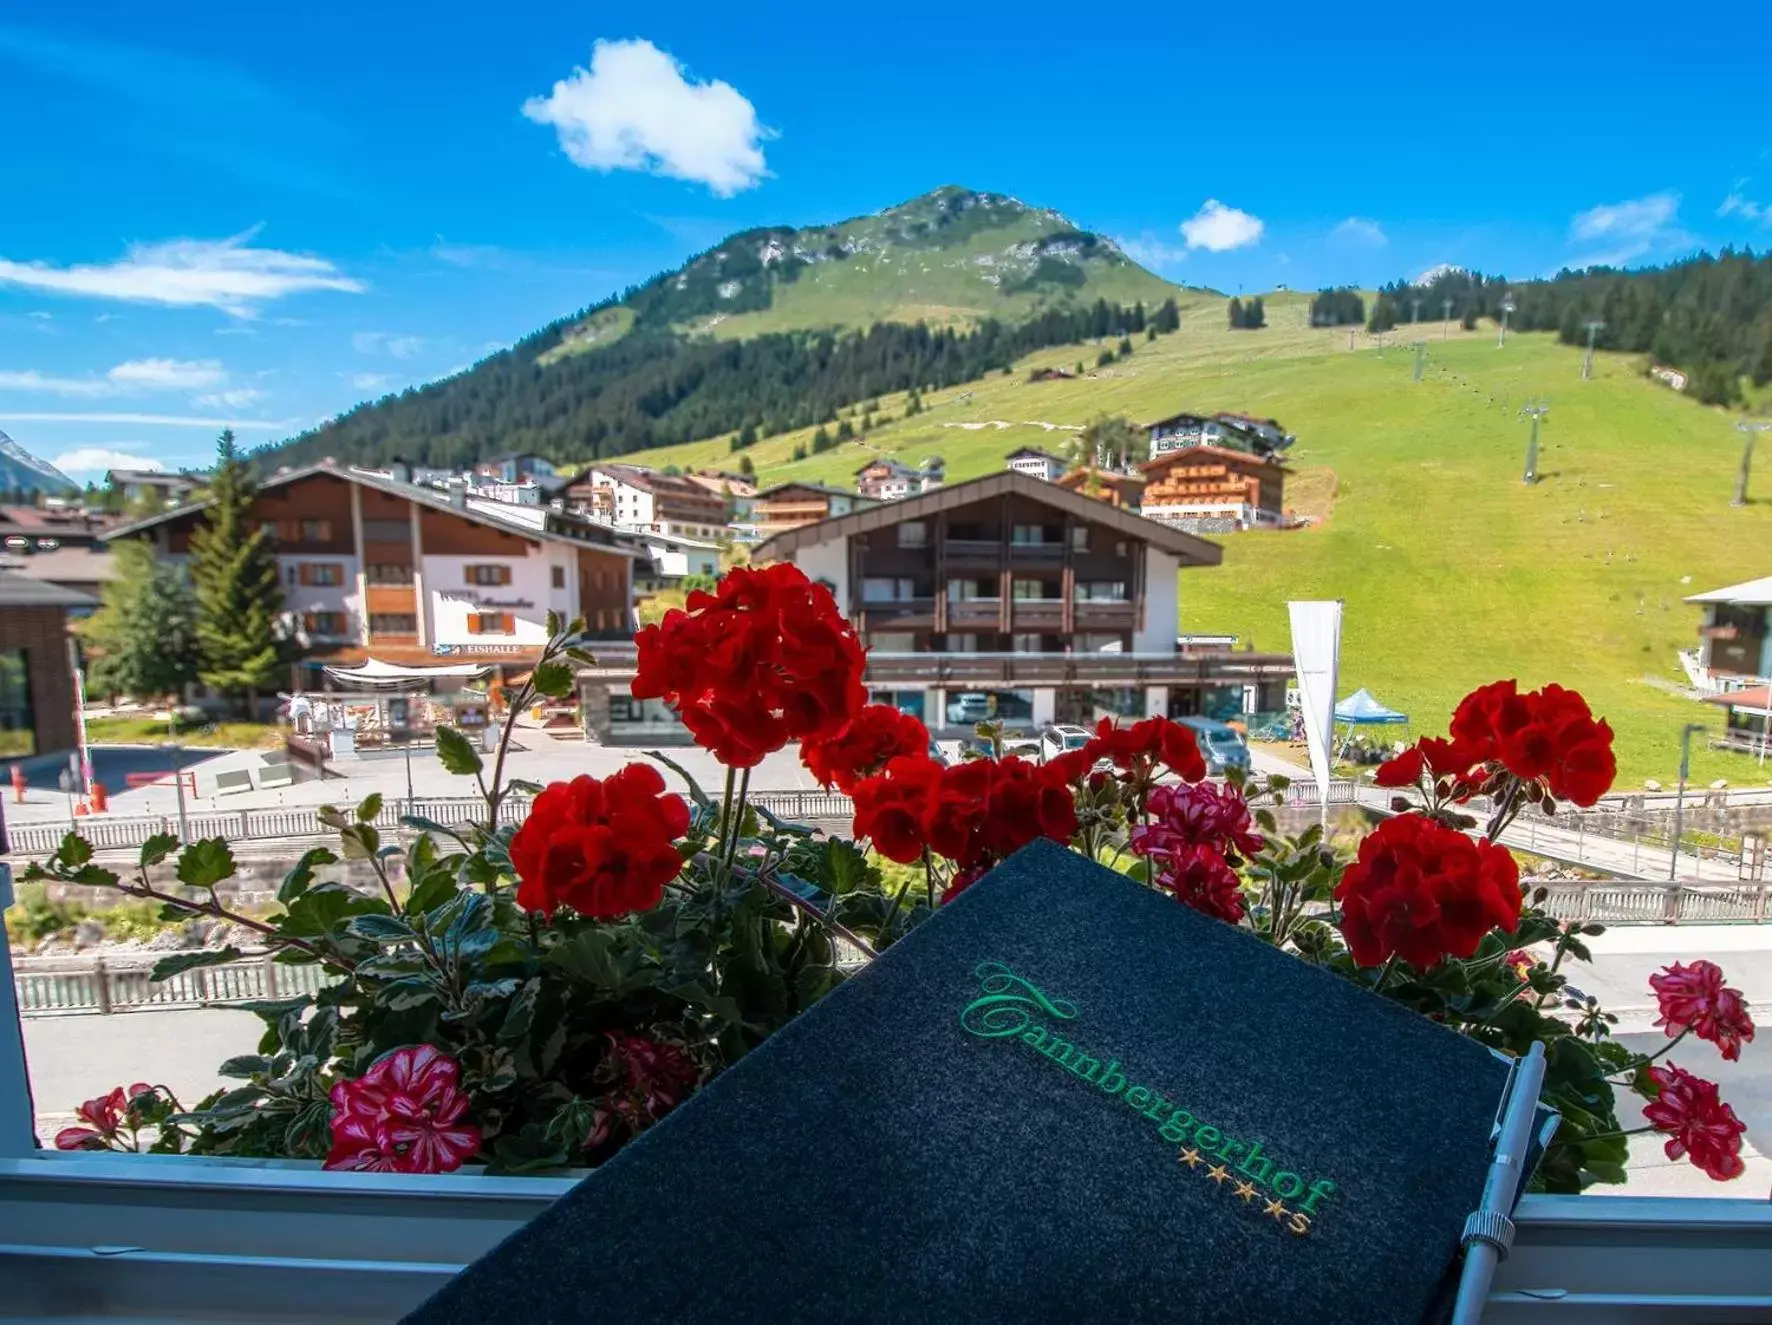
1547 735
603 847
651 1078
1402 770
1700 1123
893 809
987 809
1201 877
404 1115
1694 998
105 1117
1188 815
765 659
1424 892
1139 748
874 736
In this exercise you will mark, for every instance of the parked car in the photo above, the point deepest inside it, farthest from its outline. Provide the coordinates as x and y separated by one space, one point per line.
1222 745
1059 737
1023 747
969 706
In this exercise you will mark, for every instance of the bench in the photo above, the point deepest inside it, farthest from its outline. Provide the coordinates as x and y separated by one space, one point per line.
276 775
227 784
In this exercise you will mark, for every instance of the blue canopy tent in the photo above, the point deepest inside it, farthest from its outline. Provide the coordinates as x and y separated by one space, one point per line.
1360 709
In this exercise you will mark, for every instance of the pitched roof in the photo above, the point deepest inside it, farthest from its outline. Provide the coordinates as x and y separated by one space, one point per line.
20 591
1190 549
1168 458
496 515
1749 593
825 488
1034 450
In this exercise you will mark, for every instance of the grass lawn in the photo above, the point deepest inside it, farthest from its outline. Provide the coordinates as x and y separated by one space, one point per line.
1454 572
152 731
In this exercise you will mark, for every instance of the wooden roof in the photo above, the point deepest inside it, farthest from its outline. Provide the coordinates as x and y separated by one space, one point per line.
1189 549
1162 462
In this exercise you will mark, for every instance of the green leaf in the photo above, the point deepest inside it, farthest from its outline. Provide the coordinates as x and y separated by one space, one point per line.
553 624
310 1132
525 785
520 1013
379 928
696 794
244 1066
360 841
157 848
274 1010
370 807
456 752
406 994
430 892
553 679
331 816
301 878
206 863
75 851
179 962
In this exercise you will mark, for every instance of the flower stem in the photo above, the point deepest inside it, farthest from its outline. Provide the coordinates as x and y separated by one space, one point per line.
744 786
1385 974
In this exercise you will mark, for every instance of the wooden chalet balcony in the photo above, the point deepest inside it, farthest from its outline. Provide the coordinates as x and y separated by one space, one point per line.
984 670
1092 615
1044 614
975 614
902 614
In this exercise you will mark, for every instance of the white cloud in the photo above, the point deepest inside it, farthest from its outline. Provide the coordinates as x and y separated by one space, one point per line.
1436 271
1218 229
136 375
1359 230
1628 229
32 380
372 381
148 420
1738 205
168 374
234 398
634 109
384 342
229 274
1149 251
97 459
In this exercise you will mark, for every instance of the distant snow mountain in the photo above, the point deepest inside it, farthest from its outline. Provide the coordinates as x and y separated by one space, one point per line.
19 469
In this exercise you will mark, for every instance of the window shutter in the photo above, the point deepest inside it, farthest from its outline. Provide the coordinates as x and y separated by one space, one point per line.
504 574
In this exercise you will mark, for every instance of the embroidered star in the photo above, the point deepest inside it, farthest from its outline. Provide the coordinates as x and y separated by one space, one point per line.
1247 1191
1191 1158
1277 1210
1218 1174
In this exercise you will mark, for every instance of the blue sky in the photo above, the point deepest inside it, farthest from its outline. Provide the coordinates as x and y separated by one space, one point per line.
230 213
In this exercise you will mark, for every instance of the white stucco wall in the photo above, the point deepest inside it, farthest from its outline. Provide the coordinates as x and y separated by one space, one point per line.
828 562
1162 606
563 600
342 597
450 599
1045 702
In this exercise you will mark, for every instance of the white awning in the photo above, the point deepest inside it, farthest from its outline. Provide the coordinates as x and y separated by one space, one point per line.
374 674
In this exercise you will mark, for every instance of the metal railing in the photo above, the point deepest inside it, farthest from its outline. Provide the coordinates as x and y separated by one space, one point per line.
1613 902
109 834
58 986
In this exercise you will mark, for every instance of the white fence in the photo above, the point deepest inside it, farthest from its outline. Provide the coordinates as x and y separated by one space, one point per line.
56 986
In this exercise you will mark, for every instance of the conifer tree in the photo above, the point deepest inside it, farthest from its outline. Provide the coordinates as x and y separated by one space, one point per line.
143 637
234 582
1236 314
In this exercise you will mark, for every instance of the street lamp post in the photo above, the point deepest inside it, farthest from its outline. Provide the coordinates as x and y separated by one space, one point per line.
1507 306
1673 865
1587 360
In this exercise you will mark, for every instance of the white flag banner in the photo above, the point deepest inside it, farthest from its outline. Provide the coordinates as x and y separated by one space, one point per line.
1316 653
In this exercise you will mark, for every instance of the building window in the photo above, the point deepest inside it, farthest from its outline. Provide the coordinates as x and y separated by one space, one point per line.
289 575
18 723
1028 535
1030 590
1101 591
883 590
487 574
559 576
489 623
393 623
322 574
324 625
913 533
972 591
316 531
387 531
268 528
1080 538
383 574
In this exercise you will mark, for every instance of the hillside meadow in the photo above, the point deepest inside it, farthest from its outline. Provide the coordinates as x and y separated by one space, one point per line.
1453 571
